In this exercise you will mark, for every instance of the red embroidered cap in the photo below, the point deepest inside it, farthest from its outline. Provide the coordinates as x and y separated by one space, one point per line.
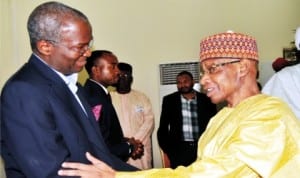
228 45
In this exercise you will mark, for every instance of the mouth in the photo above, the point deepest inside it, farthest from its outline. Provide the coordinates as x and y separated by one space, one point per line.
208 91
81 62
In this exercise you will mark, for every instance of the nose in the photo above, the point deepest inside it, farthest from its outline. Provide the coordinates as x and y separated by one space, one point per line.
204 78
118 71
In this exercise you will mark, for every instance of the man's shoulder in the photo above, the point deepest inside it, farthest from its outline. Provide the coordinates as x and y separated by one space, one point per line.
92 87
88 83
138 92
289 70
201 95
28 83
174 94
29 78
285 77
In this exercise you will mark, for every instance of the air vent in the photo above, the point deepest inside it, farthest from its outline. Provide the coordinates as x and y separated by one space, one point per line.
168 72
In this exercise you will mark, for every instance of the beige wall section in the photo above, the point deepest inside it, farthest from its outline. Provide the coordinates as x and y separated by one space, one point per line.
147 33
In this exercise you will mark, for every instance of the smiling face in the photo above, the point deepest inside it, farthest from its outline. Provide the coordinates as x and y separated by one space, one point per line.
220 80
69 54
229 61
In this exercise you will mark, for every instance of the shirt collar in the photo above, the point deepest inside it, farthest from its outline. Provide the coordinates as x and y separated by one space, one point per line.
105 89
70 80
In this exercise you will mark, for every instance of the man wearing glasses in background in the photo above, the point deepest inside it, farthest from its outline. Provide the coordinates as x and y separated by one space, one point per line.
44 119
255 135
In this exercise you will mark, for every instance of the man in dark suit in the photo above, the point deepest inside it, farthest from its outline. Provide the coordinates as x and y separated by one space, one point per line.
102 67
184 117
44 118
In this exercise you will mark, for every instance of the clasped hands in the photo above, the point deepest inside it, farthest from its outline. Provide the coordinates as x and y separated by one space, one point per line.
137 149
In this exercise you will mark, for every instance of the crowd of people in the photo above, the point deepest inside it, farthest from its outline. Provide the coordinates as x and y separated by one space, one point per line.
51 126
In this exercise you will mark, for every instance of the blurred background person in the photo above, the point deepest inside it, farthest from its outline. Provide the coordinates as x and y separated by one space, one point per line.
102 67
135 114
184 117
279 63
285 83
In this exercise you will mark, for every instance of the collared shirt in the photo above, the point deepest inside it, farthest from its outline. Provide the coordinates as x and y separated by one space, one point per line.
190 127
105 89
70 80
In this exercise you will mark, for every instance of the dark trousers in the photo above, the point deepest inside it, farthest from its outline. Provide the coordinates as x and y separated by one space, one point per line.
184 153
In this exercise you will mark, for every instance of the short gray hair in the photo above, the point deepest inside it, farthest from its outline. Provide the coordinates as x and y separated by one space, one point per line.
46 21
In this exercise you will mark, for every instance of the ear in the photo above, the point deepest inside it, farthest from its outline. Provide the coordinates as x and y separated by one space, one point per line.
44 47
244 67
131 81
94 69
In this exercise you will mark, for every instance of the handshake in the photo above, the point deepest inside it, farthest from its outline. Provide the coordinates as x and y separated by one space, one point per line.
136 148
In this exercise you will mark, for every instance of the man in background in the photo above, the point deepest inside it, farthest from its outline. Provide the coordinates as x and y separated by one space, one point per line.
135 114
285 84
184 117
102 67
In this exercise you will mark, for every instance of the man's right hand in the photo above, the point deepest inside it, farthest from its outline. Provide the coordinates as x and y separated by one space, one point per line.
97 169
138 148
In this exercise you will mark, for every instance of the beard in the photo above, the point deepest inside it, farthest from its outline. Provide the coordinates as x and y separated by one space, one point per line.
123 87
185 90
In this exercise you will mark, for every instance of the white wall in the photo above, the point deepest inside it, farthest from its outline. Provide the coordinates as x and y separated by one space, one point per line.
147 33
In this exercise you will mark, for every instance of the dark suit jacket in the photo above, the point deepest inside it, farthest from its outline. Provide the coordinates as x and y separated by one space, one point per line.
108 121
43 125
170 133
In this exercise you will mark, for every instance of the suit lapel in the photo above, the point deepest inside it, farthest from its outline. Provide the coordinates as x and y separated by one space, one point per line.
86 120
66 97
87 107
108 118
178 107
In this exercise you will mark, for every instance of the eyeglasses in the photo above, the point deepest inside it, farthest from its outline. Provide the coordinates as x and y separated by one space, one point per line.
214 68
80 49
125 76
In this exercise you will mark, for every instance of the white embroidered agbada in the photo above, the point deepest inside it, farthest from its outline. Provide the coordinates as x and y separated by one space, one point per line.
285 84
